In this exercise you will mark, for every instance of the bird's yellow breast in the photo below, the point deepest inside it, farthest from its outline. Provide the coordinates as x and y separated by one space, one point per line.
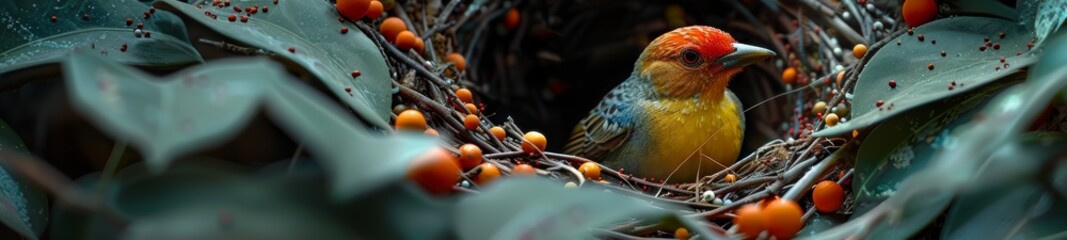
693 134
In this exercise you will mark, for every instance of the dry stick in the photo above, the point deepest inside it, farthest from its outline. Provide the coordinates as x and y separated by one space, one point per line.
744 184
789 176
611 172
815 173
444 112
56 184
854 71
434 79
440 23
396 53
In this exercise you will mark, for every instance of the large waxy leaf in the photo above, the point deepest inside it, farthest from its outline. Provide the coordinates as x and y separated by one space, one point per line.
1009 203
904 146
312 30
30 38
520 208
204 106
23 209
907 64
1044 17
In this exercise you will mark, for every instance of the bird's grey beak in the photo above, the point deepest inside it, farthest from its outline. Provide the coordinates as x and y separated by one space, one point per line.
744 55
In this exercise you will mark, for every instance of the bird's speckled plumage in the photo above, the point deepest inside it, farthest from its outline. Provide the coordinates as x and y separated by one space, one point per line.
672 113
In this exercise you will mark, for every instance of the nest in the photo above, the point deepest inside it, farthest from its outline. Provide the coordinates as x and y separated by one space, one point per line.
784 167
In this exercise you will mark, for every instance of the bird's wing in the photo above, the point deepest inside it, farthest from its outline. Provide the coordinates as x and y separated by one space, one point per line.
608 125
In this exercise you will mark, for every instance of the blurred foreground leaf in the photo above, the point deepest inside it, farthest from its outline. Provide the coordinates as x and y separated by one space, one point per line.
210 202
521 208
1010 203
204 106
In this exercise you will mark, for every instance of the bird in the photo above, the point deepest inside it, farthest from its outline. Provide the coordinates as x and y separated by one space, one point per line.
674 117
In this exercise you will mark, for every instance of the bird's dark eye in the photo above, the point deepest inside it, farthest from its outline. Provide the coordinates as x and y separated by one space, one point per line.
691 58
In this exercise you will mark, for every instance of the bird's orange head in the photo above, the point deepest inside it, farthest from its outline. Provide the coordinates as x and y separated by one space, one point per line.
695 60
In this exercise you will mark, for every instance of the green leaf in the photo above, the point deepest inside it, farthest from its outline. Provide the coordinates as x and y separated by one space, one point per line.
519 208
905 145
166 118
402 211
206 105
68 223
31 39
312 30
208 202
1009 203
907 64
1043 17
23 209
819 223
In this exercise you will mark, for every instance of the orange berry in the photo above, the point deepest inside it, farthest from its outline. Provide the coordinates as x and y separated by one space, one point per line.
789 76
590 170
488 173
465 95
436 171
498 132
458 60
405 40
471 122
375 10
511 20
411 120
523 170
828 196
431 132
533 142
784 216
730 178
681 233
391 27
353 9
859 50
420 46
470 107
919 12
470 156
750 220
